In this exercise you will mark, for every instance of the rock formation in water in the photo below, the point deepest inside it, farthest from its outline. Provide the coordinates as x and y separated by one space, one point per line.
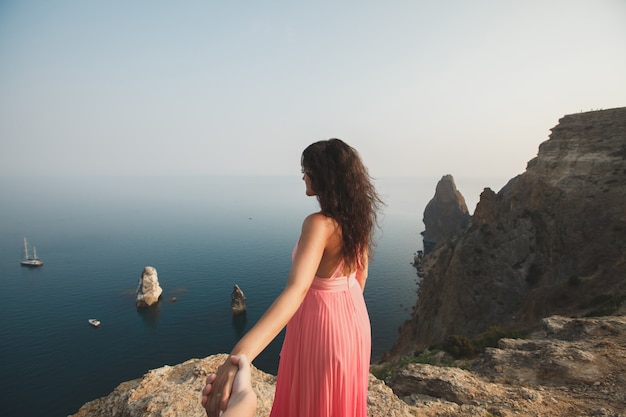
237 301
552 241
148 290
445 216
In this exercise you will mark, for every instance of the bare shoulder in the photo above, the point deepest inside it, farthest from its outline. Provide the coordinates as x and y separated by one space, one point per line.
324 234
320 222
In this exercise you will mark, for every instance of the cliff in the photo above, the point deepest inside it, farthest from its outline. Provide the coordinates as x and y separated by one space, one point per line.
175 391
572 367
552 241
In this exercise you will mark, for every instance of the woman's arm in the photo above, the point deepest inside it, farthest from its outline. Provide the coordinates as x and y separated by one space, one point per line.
305 263
316 230
361 272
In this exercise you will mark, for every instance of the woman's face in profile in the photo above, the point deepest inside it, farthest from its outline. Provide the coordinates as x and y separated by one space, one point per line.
307 181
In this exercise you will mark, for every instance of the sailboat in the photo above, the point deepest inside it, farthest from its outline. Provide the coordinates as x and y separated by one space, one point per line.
28 260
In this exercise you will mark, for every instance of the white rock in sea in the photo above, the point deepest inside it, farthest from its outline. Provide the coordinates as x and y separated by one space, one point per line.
148 290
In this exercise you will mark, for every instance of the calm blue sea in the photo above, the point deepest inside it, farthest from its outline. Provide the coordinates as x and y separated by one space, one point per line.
203 235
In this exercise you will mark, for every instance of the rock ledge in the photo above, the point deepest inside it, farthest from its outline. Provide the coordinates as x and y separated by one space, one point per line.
572 367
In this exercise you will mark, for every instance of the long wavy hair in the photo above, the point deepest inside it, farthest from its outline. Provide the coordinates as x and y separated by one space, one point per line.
346 193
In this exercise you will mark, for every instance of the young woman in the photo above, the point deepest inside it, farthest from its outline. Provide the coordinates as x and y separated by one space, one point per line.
324 362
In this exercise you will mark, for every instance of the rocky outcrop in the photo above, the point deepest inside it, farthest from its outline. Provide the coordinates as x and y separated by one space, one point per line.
176 390
571 367
238 301
552 241
445 216
148 290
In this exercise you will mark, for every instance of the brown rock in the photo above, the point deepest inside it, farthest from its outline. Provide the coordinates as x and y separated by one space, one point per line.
238 301
552 241
176 391
445 216
572 367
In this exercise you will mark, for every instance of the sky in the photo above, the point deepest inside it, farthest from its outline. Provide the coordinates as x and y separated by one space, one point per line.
419 88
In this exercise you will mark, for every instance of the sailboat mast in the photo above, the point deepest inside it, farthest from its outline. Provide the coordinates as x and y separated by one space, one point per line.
25 249
34 252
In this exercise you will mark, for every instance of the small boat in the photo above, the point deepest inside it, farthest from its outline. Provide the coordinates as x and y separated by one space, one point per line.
94 322
32 261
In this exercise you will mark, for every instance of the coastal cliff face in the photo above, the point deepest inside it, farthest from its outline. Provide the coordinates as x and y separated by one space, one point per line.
552 241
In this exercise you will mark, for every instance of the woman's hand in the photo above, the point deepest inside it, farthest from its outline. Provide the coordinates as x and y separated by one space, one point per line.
216 393
206 391
242 402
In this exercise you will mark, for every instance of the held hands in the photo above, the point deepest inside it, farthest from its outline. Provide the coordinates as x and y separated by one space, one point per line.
216 393
233 374
242 401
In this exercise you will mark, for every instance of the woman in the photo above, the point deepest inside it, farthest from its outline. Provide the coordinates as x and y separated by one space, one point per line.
324 362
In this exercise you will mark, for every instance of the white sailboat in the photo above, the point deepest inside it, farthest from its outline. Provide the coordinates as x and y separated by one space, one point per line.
28 260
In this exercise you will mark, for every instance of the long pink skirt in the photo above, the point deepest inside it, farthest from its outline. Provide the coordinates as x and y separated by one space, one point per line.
325 358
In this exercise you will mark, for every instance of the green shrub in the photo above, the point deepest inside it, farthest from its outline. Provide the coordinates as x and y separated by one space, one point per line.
490 337
460 346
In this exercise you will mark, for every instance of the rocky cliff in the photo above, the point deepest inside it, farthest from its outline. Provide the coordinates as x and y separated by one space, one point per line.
175 391
552 241
445 215
572 367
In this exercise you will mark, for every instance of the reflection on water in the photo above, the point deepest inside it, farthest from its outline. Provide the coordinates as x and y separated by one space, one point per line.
150 315
176 292
239 324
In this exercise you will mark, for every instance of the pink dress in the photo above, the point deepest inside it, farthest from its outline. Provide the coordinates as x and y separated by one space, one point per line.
325 358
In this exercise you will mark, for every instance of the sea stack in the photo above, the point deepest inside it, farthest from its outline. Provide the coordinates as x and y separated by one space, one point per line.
445 216
237 301
148 290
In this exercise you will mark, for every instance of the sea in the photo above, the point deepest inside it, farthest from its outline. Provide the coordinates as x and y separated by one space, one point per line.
95 235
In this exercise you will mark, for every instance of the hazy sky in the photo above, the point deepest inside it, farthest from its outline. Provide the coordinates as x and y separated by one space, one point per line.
468 88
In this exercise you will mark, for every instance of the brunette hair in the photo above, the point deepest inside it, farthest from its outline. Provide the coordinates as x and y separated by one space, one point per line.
346 193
